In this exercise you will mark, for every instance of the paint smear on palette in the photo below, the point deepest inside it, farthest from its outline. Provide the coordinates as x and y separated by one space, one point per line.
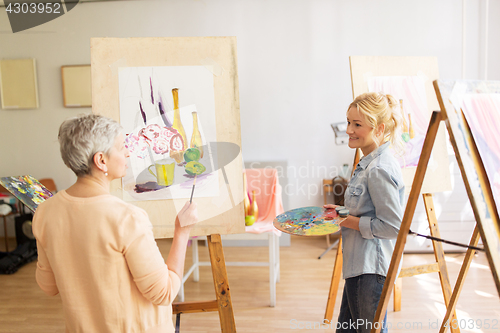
27 189
308 221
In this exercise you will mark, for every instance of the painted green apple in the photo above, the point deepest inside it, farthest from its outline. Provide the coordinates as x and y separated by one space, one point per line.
192 154
249 220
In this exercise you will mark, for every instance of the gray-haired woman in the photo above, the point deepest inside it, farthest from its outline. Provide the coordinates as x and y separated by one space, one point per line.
97 251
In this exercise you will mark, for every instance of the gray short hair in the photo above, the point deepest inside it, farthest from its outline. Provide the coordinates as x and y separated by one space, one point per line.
82 137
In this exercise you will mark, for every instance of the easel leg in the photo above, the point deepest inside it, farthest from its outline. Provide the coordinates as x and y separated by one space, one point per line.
439 254
398 287
272 269
277 257
196 259
221 284
334 286
460 281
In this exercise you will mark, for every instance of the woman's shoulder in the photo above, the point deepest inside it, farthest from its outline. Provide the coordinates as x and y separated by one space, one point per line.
386 162
107 202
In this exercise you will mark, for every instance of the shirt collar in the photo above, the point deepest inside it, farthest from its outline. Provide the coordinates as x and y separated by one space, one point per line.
366 160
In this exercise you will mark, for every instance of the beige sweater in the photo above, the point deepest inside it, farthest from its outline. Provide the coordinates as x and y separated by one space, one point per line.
100 255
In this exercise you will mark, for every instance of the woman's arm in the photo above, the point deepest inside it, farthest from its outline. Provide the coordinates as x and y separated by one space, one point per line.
177 254
386 193
44 275
158 280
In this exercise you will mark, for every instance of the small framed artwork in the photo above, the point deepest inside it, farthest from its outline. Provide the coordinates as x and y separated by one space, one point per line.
18 88
77 86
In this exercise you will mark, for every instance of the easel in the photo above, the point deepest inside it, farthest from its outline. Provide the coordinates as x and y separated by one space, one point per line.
226 215
490 238
493 257
222 303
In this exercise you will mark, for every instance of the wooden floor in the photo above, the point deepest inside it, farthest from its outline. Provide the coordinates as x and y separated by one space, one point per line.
301 295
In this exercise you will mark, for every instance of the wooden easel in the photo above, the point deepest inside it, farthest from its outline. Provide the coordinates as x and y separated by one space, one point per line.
222 303
493 238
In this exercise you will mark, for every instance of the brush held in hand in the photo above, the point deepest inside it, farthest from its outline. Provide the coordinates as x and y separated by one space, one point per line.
192 191
188 214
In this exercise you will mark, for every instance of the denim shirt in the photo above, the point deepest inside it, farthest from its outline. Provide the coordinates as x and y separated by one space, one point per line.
375 194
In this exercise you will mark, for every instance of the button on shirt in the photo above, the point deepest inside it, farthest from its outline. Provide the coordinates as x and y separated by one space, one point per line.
375 194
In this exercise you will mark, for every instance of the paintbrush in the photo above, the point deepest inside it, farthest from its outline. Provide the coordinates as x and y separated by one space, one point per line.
182 222
192 191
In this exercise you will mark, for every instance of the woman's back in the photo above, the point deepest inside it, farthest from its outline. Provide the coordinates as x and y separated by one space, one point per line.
101 253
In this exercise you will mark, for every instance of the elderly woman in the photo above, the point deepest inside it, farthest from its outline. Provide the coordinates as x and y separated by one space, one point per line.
97 251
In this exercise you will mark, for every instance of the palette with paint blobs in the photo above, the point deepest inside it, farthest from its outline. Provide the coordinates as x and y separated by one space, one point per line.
27 189
310 221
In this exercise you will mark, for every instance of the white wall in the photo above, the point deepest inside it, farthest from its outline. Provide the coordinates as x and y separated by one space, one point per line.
293 69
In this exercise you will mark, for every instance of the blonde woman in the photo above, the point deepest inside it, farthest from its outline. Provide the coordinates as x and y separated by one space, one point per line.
374 198
97 251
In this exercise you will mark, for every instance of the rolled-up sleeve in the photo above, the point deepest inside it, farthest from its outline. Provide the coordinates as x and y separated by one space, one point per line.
386 195
154 280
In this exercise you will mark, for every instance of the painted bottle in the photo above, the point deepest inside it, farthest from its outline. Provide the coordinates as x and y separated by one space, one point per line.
406 134
412 132
178 155
254 209
196 137
246 199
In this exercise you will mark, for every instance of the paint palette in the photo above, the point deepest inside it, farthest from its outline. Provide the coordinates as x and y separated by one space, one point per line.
309 221
27 189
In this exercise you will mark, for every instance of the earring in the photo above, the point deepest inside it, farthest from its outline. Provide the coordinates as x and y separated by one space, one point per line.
105 173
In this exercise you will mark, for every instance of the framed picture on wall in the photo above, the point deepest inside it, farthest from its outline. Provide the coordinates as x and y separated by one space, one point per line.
77 86
18 87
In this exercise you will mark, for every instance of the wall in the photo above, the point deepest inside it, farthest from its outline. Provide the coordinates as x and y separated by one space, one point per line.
293 69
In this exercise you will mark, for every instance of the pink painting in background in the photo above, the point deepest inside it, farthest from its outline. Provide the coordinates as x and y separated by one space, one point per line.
482 112
410 90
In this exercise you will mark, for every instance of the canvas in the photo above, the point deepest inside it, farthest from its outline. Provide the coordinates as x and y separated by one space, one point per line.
18 86
202 71
408 79
77 86
480 103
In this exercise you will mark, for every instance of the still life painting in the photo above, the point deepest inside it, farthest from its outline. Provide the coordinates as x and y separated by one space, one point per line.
168 116
410 92
27 189
480 103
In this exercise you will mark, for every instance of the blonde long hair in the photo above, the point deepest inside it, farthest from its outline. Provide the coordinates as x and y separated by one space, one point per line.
379 108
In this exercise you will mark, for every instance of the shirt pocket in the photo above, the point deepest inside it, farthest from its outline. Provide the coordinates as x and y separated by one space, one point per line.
353 196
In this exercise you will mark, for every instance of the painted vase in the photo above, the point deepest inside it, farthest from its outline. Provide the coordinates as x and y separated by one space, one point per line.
196 137
179 154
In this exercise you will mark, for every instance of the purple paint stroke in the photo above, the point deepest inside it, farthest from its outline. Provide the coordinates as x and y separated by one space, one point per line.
143 114
151 86
199 180
148 187
163 114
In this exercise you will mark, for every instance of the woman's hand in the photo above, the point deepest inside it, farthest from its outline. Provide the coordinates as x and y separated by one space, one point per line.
329 206
187 216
